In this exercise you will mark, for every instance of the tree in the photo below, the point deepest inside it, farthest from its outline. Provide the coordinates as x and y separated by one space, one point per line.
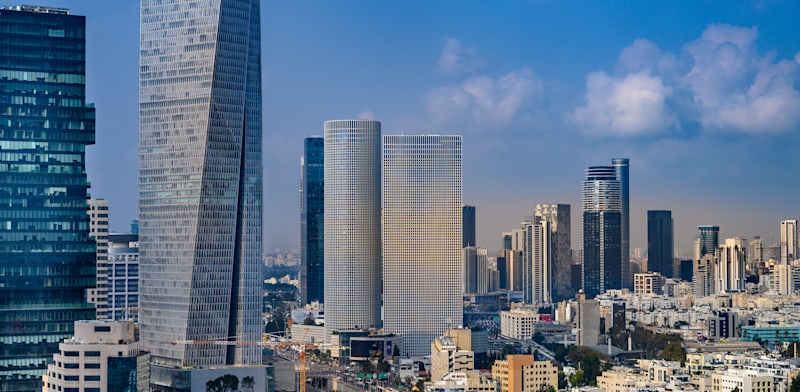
795 386
576 379
248 384
546 388
226 383
673 351
562 380
588 360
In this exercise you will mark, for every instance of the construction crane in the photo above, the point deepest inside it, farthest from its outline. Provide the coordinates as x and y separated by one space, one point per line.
279 345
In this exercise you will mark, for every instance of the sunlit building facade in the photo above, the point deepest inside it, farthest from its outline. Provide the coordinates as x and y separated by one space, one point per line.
200 184
422 238
352 224
602 231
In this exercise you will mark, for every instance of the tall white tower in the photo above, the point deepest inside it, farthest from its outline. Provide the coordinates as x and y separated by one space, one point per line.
422 266
728 273
352 167
788 240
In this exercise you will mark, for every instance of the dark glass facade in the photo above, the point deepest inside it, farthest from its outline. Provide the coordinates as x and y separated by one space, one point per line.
708 240
468 236
602 261
660 242
312 221
47 259
122 374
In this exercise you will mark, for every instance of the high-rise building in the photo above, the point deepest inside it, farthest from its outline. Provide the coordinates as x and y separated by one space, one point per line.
755 256
729 265
47 260
558 216
123 277
788 240
422 266
353 224
98 231
537 262
707 241
602 230
200 187
660 242
312 221
470 269
468 219
621 167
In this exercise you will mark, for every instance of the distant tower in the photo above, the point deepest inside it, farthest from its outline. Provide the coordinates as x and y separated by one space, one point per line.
788 240
468 218
558 215
660 242
602 241
98 230
707 241
312 221
353 224
755 257
728 273
422 254
537 262
621 169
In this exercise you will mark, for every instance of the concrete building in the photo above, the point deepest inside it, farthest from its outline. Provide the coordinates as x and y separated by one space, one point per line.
788 240
588 320
200 190
702 276
475 270
47 260
422 233
621 379
728 273
558 216
98 231
741 380
466 381
447 357
518 323
650 283
103 356
352 234
537 262
521 373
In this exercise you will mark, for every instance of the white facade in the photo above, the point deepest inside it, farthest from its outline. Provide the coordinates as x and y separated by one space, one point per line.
788 240
537 262
98 230
518 323
352 224
728 272
83 361
447 357
741 380
422 228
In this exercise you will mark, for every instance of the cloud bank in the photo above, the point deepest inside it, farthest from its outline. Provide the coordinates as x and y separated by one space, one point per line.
718 81
457 58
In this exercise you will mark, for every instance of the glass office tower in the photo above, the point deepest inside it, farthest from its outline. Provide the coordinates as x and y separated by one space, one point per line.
312 221
660 242
200 194
602 231
47 260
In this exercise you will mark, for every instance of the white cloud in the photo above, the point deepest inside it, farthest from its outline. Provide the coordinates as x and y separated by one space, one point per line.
457 59
366 115
728 85
484 100
629 106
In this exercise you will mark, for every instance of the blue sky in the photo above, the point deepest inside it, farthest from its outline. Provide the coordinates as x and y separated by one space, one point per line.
702 96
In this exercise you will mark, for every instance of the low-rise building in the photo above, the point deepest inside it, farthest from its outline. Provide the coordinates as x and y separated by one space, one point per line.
466 381
447 357
521 373
741 380
103 356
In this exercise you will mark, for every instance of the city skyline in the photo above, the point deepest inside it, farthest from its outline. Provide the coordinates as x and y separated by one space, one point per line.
538 92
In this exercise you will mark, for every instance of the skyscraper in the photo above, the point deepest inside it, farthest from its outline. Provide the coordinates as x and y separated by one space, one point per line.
660 242
788 240
621 170
200 192
47 260
422 258
468 219
352 224
707 241
558 215
537 262
312 221
728 272
602 231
